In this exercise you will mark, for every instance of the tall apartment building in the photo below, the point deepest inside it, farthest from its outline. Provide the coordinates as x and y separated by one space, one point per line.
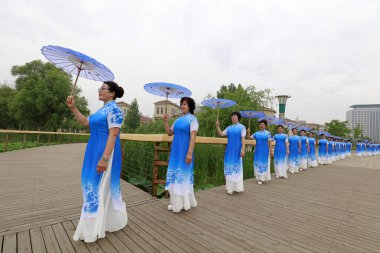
367 117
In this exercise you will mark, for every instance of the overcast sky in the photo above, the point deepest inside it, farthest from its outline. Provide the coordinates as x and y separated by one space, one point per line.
324 53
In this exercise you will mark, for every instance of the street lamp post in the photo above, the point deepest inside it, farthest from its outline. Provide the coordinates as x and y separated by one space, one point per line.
282 103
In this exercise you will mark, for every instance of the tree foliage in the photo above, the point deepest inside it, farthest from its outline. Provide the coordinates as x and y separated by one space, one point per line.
338 128
133 117
39 100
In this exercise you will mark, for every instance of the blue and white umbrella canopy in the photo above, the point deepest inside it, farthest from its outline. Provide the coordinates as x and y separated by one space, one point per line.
272 120
168 90
217 103
77 64
251 114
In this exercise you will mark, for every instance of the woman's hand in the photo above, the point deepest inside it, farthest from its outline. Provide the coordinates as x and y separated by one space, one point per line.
272 154
287 152
165 117
70 102
102 166
217 124
189 158
242 153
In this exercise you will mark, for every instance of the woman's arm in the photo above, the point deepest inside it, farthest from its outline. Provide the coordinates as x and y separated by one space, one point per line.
308 146
299 147
77 114
189 156
220 132
103 162
287 147
242 151
168 130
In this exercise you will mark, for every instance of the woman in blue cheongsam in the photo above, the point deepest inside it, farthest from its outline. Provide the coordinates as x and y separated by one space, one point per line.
103 208
180 174
281 152
261 155
235 151
294 151
312 159
322 150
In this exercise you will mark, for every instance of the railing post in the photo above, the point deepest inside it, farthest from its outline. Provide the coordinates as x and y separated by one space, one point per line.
38 139
24 141
6 140
49 138
155 169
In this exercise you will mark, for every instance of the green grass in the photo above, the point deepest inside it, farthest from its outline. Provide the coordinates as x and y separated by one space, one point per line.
21 141
208 165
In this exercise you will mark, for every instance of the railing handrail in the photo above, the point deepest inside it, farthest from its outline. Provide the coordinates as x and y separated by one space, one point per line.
39 132
166 138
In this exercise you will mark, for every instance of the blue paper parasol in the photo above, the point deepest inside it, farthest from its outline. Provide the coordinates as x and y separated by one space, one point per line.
272 120
218 103
78 64
251 114
167 90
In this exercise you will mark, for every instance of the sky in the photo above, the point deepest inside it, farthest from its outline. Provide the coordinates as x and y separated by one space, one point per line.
325 54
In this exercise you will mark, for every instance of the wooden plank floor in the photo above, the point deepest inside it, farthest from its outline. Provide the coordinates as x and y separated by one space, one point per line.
332 208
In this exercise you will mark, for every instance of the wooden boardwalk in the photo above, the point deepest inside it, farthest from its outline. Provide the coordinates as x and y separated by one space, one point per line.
332 208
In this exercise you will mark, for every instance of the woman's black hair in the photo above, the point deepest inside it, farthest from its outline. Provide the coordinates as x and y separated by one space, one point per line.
280 126
263 121
323 135
119 91
237 114
190 102
303 130
294 128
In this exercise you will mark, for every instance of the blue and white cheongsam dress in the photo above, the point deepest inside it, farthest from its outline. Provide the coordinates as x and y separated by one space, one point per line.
180 175
261 156
103 208
312 158
294 156
322 151
233 162
330 152
303 155
358 149
280 156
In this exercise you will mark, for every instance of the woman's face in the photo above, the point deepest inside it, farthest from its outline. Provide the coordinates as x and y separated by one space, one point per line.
105 94
280 130
234 119
302 133
294 131
262 126
184 107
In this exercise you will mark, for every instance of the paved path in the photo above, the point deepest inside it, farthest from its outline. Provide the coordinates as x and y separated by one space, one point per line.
332 208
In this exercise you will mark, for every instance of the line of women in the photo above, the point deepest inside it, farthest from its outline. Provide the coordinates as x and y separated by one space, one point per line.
364 149
103 208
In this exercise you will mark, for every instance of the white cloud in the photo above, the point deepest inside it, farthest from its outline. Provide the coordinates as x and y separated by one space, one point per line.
324 54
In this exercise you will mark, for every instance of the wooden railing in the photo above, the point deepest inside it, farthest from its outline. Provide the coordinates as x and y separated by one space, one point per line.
159 139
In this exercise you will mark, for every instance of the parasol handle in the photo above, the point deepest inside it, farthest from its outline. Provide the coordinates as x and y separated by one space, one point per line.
76 79
166 106
217 115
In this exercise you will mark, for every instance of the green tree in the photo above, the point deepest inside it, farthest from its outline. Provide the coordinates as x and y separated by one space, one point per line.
358 132
246 98
338 128
40 100
133 117
7 119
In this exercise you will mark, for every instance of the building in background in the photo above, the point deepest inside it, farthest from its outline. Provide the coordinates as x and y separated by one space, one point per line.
146 119
268 111
367 117
159 109
123 106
